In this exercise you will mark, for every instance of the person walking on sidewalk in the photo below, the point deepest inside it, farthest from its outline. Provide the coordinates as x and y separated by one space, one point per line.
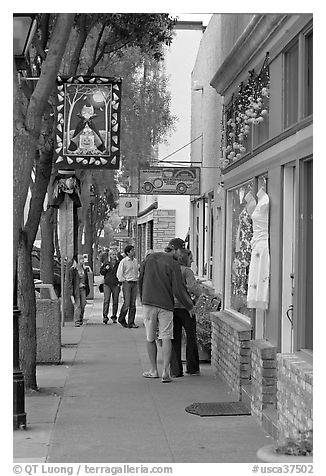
79 288
183 319
127 274
159 281
111 286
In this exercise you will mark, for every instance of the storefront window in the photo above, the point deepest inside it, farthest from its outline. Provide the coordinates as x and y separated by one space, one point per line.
309 77
260 132
298 79
211 239
291 85
239 235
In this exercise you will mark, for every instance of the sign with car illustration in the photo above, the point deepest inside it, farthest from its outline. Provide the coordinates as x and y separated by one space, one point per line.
170 181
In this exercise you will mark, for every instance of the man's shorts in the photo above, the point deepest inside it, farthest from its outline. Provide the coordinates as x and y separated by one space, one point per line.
156 318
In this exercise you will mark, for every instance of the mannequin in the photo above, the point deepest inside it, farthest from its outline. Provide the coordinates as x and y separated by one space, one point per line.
258 279
243 247
251 202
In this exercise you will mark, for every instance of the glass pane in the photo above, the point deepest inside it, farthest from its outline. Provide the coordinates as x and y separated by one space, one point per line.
232 128
291 86
308 255
240 251
211 241
261 130
309 75
262 182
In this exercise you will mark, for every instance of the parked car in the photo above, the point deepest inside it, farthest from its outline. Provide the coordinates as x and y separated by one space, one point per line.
36 252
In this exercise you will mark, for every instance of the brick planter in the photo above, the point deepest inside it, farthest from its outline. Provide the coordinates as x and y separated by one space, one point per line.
294 394
231 350
263 376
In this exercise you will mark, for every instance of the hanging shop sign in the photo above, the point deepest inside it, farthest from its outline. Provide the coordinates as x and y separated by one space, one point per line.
128 206
88 123
170 181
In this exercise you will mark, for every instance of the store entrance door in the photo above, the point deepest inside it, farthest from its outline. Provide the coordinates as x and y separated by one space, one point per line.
288 267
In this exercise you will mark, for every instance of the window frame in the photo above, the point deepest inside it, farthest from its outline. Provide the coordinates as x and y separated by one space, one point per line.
257 181
228 253
250 143
307 32
305 167
302 97
287 49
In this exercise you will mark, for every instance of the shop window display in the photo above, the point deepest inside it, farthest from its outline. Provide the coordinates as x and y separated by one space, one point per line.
247 280
258 278
241 235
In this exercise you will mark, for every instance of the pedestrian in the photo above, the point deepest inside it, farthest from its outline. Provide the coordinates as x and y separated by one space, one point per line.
79 287
183 319
159 281
127 274
111 286
148 252
104 256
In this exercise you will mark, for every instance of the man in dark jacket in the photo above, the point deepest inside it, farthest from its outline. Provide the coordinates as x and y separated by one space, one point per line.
111 286
160 280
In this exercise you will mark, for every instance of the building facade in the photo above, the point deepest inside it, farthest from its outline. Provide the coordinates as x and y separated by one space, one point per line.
252 103
162 217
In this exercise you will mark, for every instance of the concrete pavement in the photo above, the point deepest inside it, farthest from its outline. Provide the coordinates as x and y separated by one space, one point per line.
96 406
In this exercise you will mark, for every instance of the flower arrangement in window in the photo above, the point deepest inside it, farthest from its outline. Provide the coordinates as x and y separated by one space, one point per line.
249 106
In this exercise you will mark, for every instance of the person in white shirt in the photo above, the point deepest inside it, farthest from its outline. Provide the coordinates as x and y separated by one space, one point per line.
127 274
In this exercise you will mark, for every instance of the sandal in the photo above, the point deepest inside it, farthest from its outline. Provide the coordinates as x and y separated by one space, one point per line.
149 375
166 379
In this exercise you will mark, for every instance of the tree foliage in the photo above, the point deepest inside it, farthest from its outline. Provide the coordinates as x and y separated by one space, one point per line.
83 44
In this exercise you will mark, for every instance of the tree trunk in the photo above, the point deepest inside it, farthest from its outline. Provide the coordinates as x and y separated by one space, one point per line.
89 234
66 296
47 248
27 305
27 128
57 250
26 291
24 150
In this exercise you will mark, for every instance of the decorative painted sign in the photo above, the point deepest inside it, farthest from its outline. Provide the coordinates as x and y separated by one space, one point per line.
128 206
170 181
88 123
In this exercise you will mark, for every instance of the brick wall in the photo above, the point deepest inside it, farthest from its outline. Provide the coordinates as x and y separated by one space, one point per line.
263 376
163 228
294 393
230 357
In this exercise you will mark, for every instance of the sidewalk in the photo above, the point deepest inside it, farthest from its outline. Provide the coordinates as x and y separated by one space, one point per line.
96 406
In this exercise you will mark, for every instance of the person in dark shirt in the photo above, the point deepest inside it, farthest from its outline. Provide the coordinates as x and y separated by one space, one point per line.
111 286
79 287
183 319
159 281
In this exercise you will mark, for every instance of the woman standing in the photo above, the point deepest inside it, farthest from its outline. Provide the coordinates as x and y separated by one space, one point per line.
111 286
79 288
182 318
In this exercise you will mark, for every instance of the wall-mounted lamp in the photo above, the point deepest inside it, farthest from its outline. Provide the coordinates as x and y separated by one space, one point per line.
24 27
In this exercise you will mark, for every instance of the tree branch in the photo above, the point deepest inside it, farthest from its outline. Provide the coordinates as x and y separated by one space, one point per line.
50 69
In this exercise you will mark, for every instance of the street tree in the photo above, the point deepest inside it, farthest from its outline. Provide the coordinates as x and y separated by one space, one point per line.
28 115
57 44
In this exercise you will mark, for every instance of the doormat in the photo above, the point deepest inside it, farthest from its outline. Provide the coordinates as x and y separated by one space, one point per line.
218 409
